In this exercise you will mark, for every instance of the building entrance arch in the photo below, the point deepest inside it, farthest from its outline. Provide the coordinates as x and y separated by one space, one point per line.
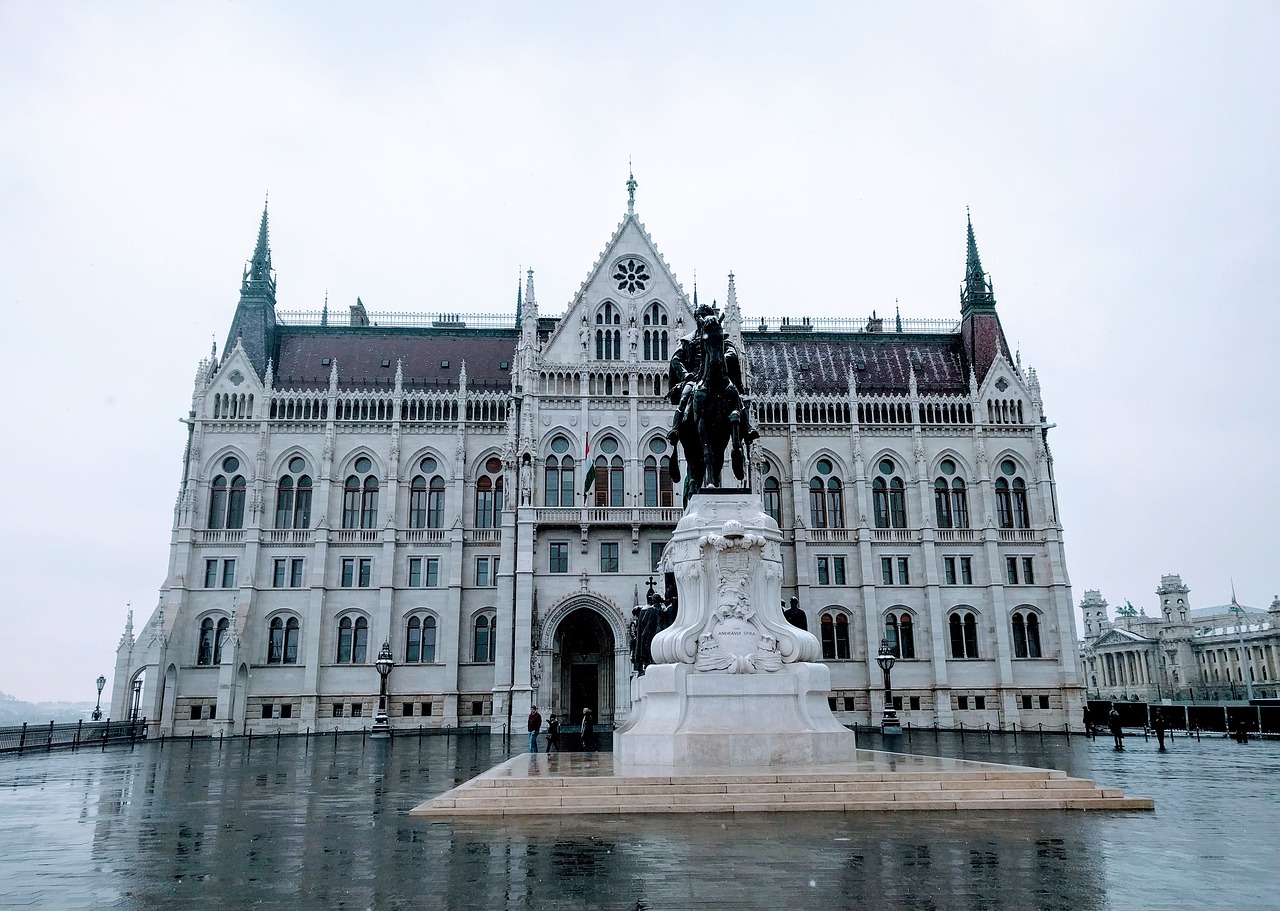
583 650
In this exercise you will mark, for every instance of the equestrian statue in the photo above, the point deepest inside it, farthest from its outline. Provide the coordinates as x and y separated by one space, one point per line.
711 413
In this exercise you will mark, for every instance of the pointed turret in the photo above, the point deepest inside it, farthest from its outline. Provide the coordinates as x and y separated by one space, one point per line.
260 265
519 305
980 326
530 300
255 318
977 291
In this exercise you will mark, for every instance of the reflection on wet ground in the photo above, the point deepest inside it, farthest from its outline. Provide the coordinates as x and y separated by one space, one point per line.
324 824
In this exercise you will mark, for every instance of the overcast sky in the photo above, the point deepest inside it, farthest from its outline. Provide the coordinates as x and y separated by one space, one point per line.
1120 161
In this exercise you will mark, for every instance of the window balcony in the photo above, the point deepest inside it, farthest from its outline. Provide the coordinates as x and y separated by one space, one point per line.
608 515
833 536
294 537
490 536
1019 536
222 536
438 537
893 535
957 536
354 536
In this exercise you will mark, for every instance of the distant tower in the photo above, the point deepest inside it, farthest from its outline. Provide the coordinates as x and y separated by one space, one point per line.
1094 607
1175 601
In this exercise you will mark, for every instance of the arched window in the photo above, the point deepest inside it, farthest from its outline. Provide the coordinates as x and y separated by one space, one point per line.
204 654
817 503
826 497
418 502
420 640
959 504
360 496
227 500
435 503
835 636
1011 498
773 498
880 502
353 640
293 496
889 497
489 495
657 480
608 339
964 635
950 499
900 632
1026 634
219 637
609 485
557 481
485 639
655 333
942 502
282 641
1021 514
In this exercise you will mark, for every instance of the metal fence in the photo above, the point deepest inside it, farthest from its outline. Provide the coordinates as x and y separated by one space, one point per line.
1222 719
26 738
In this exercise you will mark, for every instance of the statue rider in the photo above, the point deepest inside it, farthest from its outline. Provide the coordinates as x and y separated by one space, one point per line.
686 368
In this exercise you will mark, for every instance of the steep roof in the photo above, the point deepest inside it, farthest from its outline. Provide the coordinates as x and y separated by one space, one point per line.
361 350
822 361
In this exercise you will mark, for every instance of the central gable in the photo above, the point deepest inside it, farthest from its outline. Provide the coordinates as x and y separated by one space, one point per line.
629 289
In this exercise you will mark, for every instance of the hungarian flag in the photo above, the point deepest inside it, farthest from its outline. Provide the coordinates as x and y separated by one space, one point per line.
590 475
1235 605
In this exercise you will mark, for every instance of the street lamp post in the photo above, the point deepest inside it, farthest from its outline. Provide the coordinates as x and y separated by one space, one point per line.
97 709
889 723
384 664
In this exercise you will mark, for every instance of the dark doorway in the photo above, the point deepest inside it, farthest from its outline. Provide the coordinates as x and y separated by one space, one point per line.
584 690
584 667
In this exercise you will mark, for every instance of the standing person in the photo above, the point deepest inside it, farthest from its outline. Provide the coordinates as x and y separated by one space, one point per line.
553 734
1088 722
588 732
1158 723
535 725
1117 730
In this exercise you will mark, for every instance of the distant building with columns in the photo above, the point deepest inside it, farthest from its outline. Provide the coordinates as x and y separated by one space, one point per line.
1180 652
356 478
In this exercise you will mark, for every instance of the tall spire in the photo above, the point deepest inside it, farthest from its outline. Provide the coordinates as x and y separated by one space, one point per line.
977 291
519 302
530 300
631 190
260 265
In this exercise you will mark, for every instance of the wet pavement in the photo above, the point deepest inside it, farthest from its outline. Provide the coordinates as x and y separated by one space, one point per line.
324 824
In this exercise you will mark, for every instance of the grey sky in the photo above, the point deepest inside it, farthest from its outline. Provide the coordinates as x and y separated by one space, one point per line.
1119 159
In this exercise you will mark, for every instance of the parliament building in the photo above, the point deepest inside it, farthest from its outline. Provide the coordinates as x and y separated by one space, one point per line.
490 496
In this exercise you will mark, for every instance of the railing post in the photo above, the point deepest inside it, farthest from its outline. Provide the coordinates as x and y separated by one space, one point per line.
22 739
79 727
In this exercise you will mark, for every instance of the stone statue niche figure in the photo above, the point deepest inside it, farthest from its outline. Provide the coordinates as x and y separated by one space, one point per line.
711 414
794 615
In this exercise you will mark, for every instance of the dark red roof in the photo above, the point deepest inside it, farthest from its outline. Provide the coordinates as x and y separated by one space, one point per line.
821 362
361 351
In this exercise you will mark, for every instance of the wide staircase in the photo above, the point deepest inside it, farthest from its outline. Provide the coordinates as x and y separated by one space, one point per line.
533 791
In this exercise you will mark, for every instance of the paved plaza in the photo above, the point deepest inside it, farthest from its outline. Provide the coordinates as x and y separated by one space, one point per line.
325 824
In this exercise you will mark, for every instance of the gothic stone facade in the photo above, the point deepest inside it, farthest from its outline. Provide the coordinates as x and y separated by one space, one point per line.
1181 652
419 481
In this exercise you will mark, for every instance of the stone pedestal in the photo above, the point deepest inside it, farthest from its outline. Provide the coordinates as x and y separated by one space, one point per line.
734 684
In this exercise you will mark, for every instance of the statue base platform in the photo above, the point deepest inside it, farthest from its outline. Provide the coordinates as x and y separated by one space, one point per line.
684 718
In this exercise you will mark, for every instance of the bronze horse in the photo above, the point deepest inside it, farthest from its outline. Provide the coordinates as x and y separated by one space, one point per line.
715 417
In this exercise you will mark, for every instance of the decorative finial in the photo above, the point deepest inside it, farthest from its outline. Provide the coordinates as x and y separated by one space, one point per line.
324 311
631 190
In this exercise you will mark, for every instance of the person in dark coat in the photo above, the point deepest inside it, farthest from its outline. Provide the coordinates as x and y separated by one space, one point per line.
1117 729
535 725
794 615
588 732
1157 724
553 734
1088 721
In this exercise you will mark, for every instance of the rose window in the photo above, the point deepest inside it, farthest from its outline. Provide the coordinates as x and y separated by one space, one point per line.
631 276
